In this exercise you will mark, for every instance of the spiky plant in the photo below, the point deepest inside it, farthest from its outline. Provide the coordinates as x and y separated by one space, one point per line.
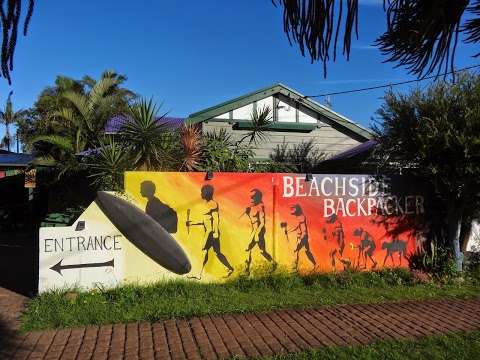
301 157
191 140
107 165
260 120
143 132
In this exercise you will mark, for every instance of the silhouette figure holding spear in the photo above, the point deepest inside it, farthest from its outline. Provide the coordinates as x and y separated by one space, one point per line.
210 222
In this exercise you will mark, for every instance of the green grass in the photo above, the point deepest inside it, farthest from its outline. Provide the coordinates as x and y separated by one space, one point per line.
454 346
185 299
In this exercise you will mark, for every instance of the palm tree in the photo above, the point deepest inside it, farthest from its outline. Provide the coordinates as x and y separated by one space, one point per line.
79 125
9 117
92 110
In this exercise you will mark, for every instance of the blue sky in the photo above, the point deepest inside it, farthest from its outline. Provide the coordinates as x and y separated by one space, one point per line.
194 54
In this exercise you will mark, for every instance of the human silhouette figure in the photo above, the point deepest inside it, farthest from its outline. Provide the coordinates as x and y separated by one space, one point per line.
210 221
339 236
302 234
366 248
160 212
256 214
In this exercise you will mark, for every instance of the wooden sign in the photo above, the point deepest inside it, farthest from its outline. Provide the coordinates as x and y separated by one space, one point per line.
30 178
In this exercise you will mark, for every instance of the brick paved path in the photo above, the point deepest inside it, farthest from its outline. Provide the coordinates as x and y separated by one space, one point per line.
250 335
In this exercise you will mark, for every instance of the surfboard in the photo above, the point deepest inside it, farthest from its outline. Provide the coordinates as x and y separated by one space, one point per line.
144 232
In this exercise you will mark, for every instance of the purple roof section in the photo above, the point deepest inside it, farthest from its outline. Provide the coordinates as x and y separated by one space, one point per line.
354 151
115 123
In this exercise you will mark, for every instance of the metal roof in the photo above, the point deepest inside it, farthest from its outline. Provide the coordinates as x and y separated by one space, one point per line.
352 152
115 123
334 119
9 159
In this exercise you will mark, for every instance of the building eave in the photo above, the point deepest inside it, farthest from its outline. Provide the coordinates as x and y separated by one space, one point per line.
334 119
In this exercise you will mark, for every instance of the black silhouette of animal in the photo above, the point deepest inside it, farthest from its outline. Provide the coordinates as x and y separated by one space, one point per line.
366 248
396 245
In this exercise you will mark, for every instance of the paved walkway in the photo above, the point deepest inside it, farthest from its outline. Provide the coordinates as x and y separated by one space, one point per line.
248 335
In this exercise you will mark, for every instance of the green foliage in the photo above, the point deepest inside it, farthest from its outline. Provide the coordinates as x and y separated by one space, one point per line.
266 291
260 120
270 166
435 135
143 134
70 117
42 118
108 164
438 262
302 157
220 153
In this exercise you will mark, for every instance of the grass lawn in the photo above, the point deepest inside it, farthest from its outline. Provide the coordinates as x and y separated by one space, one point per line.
185 299
454 346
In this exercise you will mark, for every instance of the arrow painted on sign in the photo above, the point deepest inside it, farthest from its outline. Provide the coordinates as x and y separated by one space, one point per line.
58 267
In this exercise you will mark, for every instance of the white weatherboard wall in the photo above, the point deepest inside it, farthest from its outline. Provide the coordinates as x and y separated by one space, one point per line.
265 102
286 113
326 138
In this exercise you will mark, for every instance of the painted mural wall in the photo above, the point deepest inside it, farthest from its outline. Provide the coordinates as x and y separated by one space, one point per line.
180 225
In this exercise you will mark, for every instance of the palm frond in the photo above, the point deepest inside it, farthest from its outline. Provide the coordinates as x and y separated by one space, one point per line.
101 89
314 25
261 120
61 142
67 115
472 26
422 35
80 102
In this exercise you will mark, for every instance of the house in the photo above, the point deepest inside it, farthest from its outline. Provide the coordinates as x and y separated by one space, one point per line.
295 118
13 163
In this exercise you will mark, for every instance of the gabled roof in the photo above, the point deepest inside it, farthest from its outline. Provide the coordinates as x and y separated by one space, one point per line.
331 117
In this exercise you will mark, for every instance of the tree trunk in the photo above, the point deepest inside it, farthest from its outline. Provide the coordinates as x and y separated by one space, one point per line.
454 227
7 135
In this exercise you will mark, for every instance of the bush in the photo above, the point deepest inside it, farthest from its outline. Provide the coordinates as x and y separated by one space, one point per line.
438 262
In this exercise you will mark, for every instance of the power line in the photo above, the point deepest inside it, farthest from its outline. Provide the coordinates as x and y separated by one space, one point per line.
391 84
